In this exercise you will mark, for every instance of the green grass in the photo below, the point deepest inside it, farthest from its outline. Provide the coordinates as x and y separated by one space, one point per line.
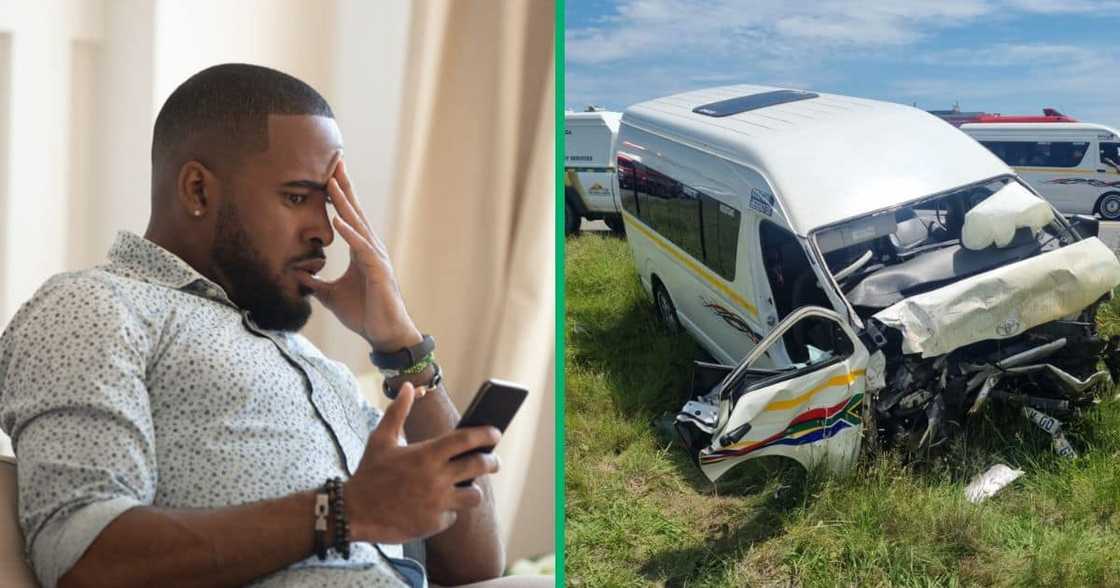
640 513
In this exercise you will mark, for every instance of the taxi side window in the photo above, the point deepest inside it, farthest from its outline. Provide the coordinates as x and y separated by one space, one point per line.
1110 156
815 340
1039 153
705 228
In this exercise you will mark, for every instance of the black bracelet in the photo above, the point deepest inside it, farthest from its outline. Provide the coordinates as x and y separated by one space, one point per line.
341 524
322 510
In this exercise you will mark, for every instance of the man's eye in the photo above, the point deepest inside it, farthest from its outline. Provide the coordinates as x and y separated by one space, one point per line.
296 198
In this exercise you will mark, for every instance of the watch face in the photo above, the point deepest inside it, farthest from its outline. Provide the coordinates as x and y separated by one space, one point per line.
389 391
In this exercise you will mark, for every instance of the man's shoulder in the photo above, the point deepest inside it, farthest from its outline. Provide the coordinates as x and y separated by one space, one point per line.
75 296
96 282
93 277
85 309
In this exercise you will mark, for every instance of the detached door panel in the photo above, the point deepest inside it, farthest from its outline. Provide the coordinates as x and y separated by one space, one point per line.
808 410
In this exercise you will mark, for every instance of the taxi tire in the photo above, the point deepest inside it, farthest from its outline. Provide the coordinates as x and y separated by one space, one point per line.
666 310
572 219
1109 206
615 223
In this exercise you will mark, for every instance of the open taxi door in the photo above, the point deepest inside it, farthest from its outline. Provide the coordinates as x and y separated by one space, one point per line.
809 410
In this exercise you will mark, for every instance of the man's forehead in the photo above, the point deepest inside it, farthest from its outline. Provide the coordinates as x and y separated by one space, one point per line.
322 131
303 141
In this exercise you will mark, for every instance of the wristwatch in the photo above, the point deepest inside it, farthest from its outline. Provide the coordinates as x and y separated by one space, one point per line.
401 360
408 361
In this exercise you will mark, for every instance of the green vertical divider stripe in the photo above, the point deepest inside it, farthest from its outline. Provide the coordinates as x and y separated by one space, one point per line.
558 31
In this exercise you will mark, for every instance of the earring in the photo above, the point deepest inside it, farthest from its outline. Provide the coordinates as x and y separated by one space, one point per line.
198 213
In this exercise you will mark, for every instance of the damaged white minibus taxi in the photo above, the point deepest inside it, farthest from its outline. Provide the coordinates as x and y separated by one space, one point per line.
859 269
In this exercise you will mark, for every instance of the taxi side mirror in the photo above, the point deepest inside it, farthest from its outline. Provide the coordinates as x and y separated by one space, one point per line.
1086 225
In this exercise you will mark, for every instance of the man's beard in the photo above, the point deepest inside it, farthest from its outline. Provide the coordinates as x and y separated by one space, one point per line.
251 286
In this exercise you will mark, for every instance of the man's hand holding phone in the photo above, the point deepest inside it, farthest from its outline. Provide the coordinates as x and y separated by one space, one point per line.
404 492
494 406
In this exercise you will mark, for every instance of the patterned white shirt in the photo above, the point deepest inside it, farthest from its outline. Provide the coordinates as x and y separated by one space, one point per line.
139 382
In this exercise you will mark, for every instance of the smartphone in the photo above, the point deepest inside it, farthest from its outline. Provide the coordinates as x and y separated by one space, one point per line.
494 405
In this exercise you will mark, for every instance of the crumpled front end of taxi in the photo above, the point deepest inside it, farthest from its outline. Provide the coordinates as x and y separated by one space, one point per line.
1023 334
978 296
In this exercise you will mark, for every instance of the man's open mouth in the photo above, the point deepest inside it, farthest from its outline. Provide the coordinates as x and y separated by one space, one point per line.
311 266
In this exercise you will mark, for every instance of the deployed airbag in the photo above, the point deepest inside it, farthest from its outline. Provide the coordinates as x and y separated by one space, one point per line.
931 270
1005 301
996 218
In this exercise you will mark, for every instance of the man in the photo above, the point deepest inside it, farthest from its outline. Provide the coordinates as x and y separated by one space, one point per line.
173 429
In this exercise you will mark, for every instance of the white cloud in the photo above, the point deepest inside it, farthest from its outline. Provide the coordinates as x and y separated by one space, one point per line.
649 28
1079 81
1018 55
1063 6
649 48
1062 69
824 29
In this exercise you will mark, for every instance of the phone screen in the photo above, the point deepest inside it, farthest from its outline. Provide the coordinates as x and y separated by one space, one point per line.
495 404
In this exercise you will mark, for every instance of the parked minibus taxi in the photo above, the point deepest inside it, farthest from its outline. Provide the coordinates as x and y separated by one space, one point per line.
851 265
1076 166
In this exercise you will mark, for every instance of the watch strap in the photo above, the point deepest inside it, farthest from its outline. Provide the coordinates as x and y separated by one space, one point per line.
403 359
416 368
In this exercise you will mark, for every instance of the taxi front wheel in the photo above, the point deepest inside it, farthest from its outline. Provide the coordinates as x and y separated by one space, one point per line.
571 219
1109 206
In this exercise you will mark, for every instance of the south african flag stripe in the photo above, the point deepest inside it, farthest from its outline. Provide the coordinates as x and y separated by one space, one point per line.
808 427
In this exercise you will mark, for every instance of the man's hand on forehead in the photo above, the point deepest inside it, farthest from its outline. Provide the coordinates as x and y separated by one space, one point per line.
366 298
337 159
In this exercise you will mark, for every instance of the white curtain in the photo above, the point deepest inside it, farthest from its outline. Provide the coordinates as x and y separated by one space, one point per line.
473 235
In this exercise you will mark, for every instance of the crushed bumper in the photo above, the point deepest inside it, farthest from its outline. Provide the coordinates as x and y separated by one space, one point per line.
1006 301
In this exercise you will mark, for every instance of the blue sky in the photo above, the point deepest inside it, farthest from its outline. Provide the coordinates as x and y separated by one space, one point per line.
1007 56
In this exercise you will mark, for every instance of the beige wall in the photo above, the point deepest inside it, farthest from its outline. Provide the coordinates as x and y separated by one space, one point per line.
5 155
34 236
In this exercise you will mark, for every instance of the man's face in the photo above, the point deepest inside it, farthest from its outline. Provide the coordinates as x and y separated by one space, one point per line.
273 222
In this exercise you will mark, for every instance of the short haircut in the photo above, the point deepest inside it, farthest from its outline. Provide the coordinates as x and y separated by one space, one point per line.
229 104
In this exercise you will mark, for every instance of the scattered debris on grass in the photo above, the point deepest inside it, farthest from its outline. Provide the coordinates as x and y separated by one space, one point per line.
991 481
1053 427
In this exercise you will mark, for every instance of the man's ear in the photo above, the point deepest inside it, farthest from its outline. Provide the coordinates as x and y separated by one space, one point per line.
194 187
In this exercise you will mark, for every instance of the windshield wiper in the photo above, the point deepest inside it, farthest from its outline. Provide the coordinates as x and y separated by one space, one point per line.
930 247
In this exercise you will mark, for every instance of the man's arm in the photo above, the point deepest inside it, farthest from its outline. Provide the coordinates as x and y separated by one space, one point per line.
367 300
149 546
471 550
413 495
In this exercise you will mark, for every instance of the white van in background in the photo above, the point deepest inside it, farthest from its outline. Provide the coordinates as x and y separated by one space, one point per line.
1076 166
589 145
850 263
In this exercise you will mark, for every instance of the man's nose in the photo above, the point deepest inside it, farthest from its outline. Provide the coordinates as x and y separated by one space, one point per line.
319 229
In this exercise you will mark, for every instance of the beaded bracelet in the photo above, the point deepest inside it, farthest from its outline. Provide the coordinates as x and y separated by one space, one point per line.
341 524
420 366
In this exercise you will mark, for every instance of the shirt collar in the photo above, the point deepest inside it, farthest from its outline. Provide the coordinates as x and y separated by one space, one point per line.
139 258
